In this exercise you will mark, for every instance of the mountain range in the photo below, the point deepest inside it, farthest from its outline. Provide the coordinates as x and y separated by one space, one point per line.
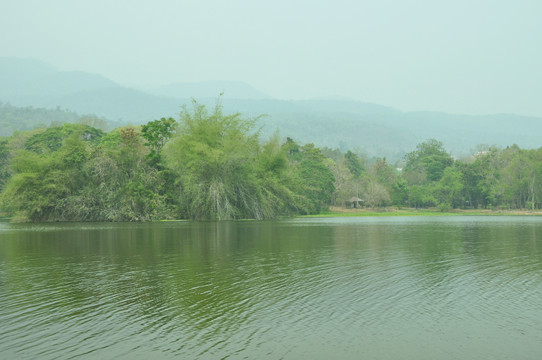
374 129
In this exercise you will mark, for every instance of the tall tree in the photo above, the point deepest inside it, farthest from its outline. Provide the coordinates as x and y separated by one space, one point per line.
315 179
448 191
427 162
214 155
156 133
353 163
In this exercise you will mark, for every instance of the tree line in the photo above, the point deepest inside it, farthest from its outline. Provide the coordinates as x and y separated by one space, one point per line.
211 165
207 165
492 178
14 118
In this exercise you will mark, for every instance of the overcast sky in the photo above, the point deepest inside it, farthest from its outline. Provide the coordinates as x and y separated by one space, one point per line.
461 56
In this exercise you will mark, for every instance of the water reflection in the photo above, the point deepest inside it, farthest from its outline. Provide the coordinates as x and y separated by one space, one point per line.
311 288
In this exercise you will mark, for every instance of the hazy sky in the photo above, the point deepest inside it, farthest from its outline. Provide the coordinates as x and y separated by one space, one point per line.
462 56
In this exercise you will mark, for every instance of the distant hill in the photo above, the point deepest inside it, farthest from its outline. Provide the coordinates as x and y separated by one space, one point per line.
121 104
13 118
383 131
27 81
374 129
209 89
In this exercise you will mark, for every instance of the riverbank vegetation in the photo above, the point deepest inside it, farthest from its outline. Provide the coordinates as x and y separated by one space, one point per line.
211 165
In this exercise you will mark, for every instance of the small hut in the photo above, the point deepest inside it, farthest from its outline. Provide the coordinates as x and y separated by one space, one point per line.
354 202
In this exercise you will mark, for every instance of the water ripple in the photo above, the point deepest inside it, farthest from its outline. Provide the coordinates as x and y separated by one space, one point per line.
339 289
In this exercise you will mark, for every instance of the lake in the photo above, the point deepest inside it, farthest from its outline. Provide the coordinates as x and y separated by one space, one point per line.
327 288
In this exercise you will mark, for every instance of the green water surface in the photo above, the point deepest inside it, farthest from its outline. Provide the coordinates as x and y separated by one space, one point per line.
337 288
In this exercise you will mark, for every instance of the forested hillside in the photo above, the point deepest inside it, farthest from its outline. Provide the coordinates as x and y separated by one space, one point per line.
373 129
213 165
13 118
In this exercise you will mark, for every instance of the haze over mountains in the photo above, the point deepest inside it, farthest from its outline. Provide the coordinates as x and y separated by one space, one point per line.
374 129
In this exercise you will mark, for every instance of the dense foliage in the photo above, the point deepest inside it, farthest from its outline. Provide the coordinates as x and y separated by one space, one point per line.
211 165
207 166
493 178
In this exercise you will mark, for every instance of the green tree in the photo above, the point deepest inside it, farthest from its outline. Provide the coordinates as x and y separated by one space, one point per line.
133 185
520 176
488 167
52 138
5 172
353 163
426 163
214 156
277 181
83 180
384 173
344 182
448 191
156 133
470 178
42 183
399 191
316 181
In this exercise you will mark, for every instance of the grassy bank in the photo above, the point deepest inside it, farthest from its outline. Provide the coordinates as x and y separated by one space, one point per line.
342 212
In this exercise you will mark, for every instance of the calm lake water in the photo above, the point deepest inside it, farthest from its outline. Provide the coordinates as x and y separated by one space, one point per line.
338 288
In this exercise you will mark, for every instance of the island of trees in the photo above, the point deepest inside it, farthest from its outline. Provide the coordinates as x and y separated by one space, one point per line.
211 165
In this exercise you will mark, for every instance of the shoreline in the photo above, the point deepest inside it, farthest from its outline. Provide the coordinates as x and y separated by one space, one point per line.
335 211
